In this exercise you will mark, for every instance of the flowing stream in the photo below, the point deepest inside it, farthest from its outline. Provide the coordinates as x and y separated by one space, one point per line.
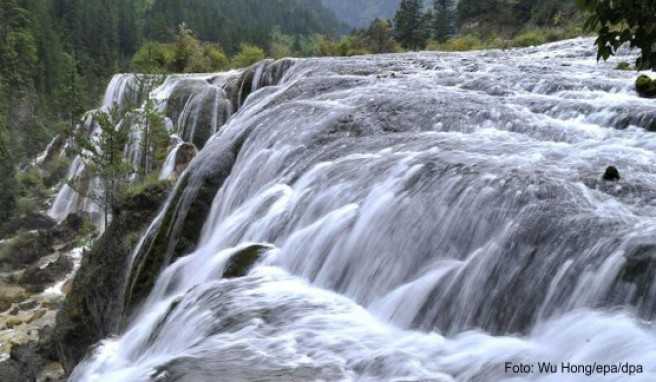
433 217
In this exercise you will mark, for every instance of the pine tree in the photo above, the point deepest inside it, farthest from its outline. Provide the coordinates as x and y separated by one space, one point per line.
409 25
154 139
102 154
379 37
443 11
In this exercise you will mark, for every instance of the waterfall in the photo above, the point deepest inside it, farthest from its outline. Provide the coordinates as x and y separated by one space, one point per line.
433 216
199 105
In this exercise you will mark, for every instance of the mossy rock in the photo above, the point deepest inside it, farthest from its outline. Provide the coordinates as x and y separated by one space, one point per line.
640 262
178 231
243 260
645 86
623 66
93 308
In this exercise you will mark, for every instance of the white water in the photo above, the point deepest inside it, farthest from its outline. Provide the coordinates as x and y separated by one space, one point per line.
202 95
436 216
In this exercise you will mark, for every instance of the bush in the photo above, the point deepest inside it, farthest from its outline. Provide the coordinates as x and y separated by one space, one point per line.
26 205
55 170
461 44
247 56
30 184
153 58
216 58
529 38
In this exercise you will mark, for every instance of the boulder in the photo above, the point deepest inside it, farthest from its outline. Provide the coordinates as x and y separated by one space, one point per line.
645 86
241 262
611 174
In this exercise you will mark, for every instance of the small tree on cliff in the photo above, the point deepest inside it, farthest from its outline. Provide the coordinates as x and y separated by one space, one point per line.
410 25
624 21
154 139
102 154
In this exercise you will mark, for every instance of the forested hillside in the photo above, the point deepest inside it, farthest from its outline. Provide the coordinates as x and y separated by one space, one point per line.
359 13
230 22
509 16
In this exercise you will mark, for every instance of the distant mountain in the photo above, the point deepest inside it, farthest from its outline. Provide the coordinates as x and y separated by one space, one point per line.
359 13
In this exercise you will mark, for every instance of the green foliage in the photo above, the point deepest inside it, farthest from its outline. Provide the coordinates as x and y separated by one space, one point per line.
623 66
529 38
153 58
247 56
459 44
186 55
379 37
149 182
623 21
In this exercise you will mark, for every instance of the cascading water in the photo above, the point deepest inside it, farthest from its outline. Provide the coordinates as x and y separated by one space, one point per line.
435 216
199 104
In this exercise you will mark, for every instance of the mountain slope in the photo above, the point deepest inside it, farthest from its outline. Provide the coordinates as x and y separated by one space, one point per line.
359 13
232 21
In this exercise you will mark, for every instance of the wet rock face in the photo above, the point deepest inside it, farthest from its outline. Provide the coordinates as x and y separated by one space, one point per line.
185 154
242 261
93 308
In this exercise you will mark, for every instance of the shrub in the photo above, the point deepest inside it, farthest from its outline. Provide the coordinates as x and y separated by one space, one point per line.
247 56
529 38
26 205
153 57
216 58
461 44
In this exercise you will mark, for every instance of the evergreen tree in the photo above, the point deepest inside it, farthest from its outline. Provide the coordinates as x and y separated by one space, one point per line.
443 19
102 154
410 25
154 139
379 37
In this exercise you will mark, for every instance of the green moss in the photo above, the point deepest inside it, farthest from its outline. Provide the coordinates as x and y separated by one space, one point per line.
645 86
623 66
